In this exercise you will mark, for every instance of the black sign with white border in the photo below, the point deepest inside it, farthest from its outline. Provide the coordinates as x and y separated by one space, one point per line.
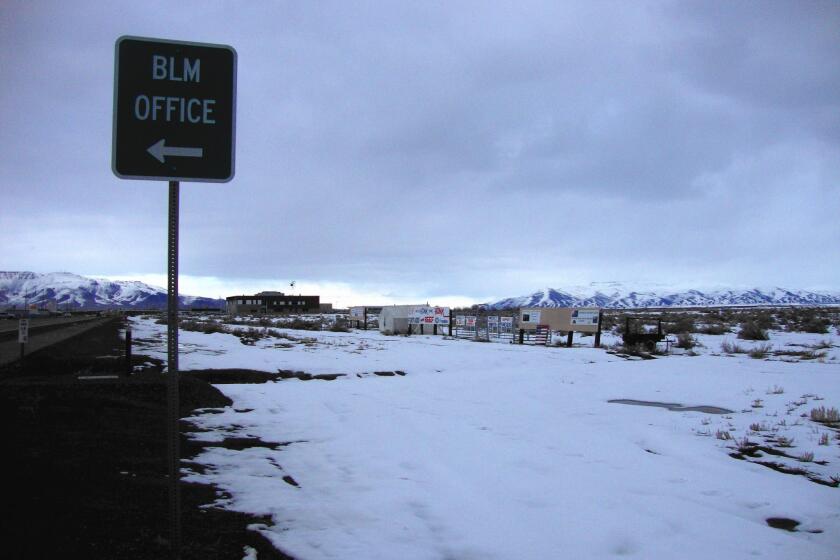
174 110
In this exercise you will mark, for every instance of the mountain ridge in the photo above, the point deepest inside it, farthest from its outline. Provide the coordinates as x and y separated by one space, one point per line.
629 298
73 291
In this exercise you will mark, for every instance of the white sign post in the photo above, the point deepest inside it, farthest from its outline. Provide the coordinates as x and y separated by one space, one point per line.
23 335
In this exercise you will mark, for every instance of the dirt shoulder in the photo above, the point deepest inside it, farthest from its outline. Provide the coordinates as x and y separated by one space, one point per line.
86 464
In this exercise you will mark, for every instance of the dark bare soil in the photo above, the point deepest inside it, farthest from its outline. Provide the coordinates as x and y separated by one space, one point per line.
85 461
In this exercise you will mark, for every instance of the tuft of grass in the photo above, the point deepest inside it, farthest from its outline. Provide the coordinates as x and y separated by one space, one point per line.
758 403
776 390
825 415
728 347
723 434
783 441
744 444
758 427
824 438
806 457
802 354
760 351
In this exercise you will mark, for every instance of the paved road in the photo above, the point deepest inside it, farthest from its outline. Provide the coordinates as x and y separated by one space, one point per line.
52 333
9 327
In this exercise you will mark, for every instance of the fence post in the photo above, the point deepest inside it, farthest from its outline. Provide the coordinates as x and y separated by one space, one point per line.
569 339
598 332
128 368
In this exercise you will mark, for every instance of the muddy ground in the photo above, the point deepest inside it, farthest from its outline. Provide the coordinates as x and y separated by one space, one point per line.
85 461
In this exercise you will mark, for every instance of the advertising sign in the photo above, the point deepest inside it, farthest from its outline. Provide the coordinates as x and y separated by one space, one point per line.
507 322
584 316
441 316
459 320
470 321
429 316
492 320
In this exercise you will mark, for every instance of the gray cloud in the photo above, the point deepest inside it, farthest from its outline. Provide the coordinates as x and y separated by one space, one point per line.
470 148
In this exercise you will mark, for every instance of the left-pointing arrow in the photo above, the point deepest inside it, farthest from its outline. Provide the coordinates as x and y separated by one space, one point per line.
160 150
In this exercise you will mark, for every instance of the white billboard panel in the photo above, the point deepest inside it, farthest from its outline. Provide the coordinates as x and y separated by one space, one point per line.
585 316
531 317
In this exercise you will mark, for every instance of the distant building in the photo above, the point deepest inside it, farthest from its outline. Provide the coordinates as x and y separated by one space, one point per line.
405 319
272 302
396 319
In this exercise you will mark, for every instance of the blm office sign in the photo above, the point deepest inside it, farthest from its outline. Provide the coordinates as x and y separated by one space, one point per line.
174 110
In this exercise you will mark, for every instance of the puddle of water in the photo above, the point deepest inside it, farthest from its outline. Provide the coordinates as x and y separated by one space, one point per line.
677 407
783 523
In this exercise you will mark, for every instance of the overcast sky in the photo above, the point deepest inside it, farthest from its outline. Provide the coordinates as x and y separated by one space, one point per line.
448 152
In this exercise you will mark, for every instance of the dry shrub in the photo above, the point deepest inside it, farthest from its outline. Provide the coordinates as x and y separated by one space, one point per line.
207 327
824 415
713 328
302 325
751 330
685 341
682 324
816 325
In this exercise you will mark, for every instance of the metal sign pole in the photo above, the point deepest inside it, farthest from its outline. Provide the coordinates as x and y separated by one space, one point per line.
172 393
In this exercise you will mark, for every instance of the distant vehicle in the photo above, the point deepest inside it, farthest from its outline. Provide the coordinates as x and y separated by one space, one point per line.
8 316
66 315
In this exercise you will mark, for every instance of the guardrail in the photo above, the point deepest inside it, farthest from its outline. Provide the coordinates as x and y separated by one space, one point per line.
10 330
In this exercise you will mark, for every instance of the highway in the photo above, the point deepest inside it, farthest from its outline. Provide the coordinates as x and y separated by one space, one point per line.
43 332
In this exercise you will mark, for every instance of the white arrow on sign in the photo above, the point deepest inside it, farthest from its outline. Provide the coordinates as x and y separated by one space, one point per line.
160 150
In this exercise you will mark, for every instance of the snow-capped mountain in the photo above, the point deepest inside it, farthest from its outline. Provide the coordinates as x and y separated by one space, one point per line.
67 290
615 295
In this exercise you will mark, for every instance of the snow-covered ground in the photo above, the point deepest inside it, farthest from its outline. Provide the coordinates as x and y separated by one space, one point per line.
500 451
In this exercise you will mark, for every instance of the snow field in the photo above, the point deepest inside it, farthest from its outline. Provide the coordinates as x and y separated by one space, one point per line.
503 451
